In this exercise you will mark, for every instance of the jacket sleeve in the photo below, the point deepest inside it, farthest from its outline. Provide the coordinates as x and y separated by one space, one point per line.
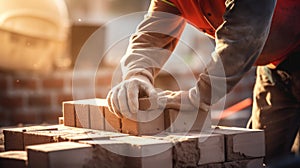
239 42
153 42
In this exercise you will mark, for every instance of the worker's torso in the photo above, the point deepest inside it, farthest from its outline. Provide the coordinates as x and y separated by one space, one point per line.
284 36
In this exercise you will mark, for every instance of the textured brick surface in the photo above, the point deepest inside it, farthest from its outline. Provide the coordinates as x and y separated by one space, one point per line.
250 163
82 117
97 114
14 139
107 153
242 143
13 159
62 154
145 123
185 121
69 113
112 122
194 149
63 133
144 152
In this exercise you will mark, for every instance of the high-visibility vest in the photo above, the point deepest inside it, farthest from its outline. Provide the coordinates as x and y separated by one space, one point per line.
284 36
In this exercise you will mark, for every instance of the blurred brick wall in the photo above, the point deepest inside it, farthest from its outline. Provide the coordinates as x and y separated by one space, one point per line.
35 99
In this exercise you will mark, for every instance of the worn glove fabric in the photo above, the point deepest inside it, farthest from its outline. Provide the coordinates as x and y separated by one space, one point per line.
123 99
181 100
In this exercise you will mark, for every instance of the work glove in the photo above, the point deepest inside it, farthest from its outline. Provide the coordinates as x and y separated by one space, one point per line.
123 99
181 100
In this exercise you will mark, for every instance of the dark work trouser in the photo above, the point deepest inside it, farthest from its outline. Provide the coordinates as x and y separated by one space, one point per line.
276 106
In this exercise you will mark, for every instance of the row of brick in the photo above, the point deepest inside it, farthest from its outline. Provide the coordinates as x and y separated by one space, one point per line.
34 99
94 114
46 146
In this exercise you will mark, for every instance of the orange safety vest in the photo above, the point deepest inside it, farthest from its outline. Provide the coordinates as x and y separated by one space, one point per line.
284 36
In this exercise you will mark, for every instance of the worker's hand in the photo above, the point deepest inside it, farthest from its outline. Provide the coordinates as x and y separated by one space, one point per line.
181 100
123 99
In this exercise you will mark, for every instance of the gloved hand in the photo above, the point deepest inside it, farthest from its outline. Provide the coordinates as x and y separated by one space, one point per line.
181 100
123 99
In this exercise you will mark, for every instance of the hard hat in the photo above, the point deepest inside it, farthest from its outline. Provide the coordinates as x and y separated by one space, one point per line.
33 33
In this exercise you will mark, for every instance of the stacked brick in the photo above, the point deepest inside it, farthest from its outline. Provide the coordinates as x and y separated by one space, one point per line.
94 114
83 142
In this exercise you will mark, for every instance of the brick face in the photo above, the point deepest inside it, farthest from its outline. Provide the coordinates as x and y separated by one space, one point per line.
26 83
39 101
3 84
50 83
9 102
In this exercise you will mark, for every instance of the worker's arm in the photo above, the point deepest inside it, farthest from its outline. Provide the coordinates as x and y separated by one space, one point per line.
149 48
239 42
153 42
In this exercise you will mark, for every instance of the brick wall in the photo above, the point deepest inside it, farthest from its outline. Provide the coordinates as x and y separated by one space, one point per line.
34 99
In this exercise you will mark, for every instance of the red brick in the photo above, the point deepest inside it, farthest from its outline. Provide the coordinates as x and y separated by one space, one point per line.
96 117
13 159
186 121
62 154
82 117
61 97
24 118
242 143
14 136
11 101
26 83
147 123
39 100
50 117
55 83
111 121
146 152
69 113
3 84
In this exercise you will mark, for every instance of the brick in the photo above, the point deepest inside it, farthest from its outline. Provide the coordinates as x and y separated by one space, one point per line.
53 83
82 117
62 97
194 149
250 163
242 143
24 117
65 134
39 100
13 159
69 113
62 154
108 153
211 165
145 123
112 122
186 121
13 137
3 84
96 117
145 152
50 117
24 84
78 134
212 148
40 137
11 101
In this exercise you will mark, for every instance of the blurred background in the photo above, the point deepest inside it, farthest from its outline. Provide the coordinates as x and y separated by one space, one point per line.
49 47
